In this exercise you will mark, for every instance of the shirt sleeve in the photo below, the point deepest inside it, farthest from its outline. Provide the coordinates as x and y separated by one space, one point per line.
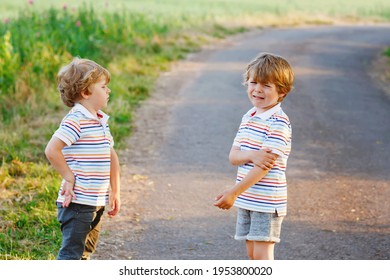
237 138
236 141
110 138
279 137
69 130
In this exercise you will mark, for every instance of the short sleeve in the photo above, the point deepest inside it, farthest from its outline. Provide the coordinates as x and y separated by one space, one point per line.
110 138
236 141
279 137
69 130
238 137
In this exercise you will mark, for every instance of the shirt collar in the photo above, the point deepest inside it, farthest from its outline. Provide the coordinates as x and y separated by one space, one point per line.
265 115
103 117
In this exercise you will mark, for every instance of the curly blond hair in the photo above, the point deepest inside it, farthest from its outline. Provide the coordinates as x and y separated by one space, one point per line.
267 67
75 78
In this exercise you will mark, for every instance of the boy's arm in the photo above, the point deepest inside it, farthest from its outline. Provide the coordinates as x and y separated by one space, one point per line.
54 154
115 201
262 158
225 200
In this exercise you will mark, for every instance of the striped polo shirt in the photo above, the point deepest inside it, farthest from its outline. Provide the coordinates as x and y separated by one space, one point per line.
270 129
88 154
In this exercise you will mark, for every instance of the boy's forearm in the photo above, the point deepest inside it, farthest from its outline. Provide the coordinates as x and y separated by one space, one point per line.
115 172
238 157
253 176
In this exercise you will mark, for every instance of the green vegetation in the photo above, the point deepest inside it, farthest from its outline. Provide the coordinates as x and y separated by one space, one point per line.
28 225
135 40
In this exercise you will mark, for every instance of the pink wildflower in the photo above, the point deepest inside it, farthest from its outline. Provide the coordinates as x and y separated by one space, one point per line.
31 2
6 20
78 23
64 7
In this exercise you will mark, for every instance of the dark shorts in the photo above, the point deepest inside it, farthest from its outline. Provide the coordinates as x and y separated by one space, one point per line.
80 227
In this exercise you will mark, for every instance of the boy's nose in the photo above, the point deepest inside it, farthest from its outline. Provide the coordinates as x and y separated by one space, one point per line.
259 87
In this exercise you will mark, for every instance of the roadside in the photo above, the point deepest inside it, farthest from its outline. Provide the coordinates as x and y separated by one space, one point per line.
381 71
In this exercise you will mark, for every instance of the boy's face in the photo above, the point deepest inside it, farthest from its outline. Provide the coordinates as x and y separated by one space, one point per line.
262 95
99 94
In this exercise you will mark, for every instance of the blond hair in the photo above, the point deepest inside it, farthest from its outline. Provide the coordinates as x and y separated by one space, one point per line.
267 67
75 78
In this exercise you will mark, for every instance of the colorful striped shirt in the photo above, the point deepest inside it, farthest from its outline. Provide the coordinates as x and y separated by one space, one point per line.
271 129
88 154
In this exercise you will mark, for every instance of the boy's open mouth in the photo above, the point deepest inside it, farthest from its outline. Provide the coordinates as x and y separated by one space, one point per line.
257 97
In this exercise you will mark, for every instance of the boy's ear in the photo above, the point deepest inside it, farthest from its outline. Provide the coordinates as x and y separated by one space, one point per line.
282 96
85 94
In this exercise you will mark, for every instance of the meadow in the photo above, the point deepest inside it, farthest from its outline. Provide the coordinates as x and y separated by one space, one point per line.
136 41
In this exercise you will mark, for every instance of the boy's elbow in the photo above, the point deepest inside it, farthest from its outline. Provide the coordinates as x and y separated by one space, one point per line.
53 149
48 152
230 159
233 156
233 161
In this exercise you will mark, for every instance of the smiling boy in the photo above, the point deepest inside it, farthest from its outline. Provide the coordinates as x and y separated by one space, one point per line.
261 149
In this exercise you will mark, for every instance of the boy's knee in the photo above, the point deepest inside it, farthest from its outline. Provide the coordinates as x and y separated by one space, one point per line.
263 251
260 256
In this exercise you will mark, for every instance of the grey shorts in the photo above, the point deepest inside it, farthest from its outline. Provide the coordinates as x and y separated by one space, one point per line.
257 226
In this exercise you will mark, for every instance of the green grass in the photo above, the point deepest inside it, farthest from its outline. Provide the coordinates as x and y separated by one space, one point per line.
29 229
135 40
218 8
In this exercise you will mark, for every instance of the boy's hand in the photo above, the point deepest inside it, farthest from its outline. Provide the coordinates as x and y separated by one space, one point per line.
263 158
67 192
225 200
115 204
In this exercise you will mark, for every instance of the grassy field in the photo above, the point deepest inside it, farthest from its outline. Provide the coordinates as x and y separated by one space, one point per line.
219 8
135 40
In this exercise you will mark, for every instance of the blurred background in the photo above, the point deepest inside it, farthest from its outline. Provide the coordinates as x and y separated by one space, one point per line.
136 41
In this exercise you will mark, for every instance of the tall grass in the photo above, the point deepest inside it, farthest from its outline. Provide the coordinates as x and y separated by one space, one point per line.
135 40
136 46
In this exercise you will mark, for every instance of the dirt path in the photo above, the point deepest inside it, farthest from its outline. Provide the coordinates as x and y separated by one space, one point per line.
176 161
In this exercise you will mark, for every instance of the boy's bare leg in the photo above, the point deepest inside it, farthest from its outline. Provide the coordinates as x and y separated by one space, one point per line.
249 249
258 250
